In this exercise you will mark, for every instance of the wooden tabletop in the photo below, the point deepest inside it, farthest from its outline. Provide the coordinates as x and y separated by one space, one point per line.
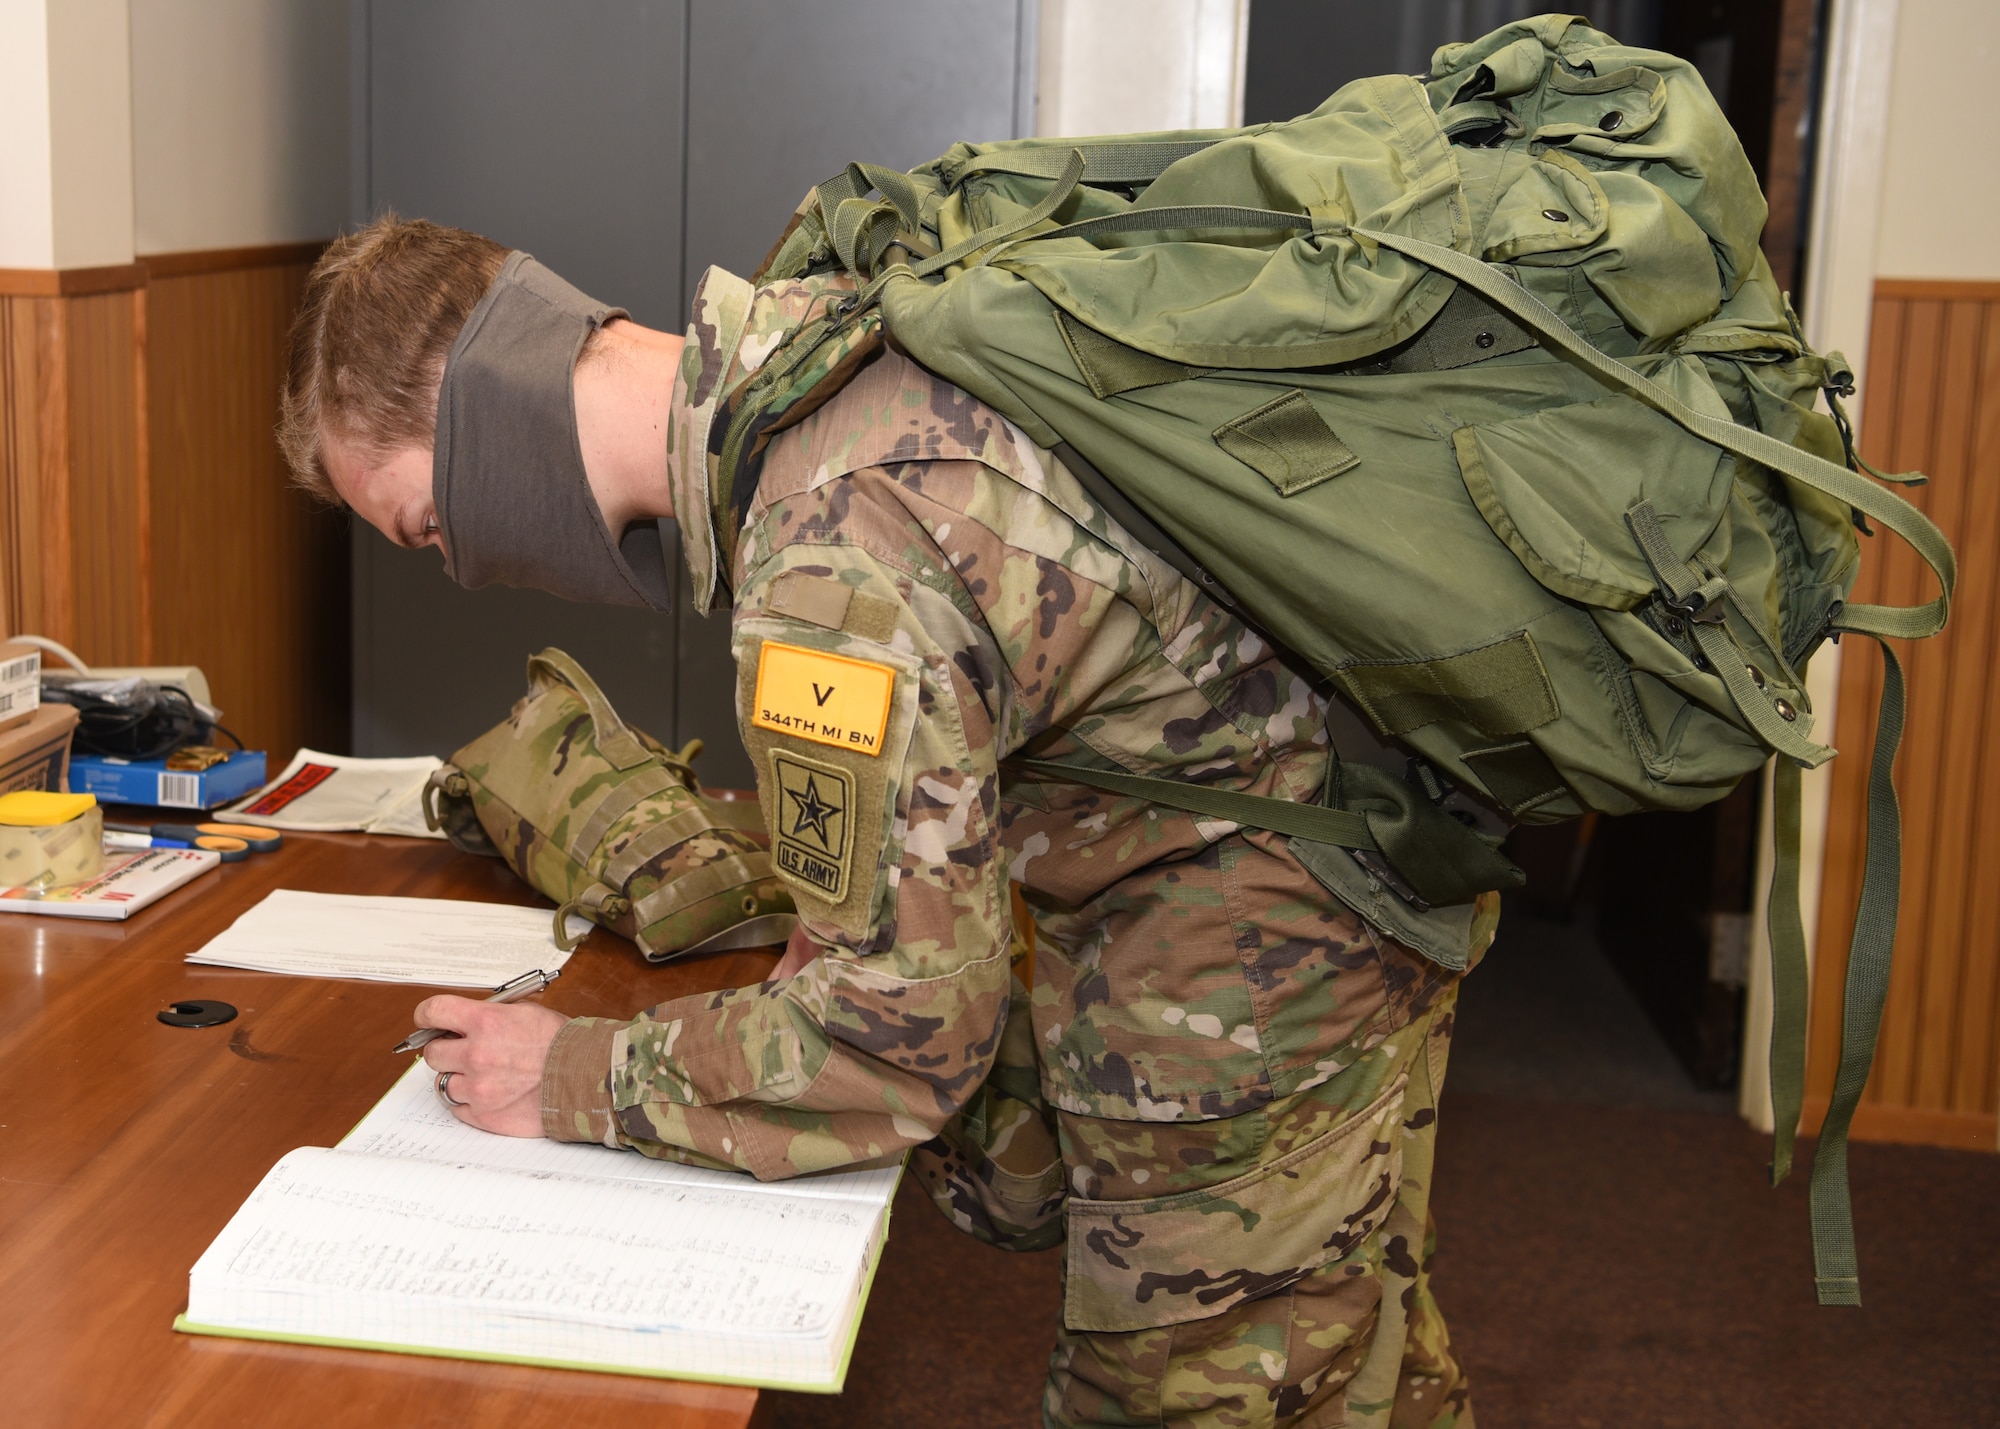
125 1145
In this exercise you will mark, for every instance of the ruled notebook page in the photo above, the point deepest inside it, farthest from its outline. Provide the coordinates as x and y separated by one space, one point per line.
690 1278
411 1123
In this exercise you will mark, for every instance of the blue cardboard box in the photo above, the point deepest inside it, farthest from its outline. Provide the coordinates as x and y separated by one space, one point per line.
149 781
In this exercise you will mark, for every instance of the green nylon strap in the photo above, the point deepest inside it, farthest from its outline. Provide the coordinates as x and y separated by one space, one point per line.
1058 194
897 187
1725 657
860 232
1280 816
1103 163
856 180
1687 584
1835 1268
1910 623
1846 426
1789 982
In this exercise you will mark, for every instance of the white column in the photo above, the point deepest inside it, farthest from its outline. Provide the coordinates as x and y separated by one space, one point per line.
89 60
27 212
65 134
1121 66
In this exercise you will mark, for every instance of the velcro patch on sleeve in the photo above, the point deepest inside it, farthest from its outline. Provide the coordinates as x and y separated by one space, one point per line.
799 595
828 699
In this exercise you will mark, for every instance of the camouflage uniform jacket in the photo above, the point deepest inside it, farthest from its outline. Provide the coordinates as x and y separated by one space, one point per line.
920 593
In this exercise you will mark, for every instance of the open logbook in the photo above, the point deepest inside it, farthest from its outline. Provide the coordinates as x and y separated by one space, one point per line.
422 1235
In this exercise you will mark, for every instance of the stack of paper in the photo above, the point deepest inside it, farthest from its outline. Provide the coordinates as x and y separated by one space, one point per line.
440 941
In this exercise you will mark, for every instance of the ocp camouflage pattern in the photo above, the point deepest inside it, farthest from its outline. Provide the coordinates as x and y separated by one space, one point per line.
637 849
1220 1091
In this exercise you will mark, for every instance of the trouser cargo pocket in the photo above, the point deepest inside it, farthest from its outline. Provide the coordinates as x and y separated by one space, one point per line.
1135 1265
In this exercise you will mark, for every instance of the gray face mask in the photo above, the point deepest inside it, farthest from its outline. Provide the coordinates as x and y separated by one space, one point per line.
513 504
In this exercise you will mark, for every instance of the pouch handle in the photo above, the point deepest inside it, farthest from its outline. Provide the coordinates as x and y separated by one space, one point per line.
615 741
600 903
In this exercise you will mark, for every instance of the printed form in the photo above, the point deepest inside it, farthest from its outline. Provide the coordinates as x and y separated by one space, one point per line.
441 942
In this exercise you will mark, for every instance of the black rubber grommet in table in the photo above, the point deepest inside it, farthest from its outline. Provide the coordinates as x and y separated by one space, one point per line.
198 1014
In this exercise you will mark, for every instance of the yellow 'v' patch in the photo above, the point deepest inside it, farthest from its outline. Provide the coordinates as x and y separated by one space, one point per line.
828 699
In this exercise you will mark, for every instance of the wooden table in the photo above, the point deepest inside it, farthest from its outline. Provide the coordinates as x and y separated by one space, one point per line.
125 1145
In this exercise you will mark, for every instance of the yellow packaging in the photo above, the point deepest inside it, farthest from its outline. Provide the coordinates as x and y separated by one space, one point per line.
37 808
46 855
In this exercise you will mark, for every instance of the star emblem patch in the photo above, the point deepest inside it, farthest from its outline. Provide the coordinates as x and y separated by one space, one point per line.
811 844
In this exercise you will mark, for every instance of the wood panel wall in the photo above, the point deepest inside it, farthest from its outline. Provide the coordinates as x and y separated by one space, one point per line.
144 514
1933 404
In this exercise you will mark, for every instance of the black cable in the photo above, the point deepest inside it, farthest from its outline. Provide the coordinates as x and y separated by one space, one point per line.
158 720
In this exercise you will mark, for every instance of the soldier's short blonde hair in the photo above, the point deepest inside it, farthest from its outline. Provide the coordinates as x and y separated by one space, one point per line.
381 310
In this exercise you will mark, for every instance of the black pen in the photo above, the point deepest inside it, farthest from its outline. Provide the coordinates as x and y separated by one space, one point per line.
526 985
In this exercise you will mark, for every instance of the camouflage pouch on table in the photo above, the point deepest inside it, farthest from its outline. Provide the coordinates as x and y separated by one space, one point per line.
610 823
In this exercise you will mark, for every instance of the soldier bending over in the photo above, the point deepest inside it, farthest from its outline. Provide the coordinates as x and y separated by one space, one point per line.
1221 1089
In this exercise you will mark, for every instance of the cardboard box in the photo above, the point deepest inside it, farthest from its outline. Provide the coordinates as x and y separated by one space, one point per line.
35 753
149 781
20 684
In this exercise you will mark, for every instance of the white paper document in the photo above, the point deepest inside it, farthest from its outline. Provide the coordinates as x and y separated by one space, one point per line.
441 942
337 793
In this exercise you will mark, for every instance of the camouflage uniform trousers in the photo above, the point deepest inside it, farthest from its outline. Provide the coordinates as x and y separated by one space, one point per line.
1357 1341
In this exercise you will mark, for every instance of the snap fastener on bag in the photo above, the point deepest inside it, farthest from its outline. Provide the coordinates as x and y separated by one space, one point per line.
1756 676
1611 121
1555 215
1785 711
1484 339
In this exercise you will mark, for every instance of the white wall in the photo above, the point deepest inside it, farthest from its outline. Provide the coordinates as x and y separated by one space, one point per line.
163 126
1116 66
1940 214
65 134
90 132
27 214
239 122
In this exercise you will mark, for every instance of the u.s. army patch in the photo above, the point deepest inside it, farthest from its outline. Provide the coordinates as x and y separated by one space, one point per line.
813 840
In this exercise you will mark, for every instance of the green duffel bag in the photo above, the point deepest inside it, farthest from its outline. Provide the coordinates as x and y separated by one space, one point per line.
610 823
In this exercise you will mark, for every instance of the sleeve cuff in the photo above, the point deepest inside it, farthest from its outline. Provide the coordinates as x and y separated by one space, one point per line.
576 1083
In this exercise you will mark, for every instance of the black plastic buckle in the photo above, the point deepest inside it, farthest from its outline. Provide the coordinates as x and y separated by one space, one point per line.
1691 607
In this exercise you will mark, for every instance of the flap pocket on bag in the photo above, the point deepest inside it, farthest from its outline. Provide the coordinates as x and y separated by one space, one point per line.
1136 1265
1556 485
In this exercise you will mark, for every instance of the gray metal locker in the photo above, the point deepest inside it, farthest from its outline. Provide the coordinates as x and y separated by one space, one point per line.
628 144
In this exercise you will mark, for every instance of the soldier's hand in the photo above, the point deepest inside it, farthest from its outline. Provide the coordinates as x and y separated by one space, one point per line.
496 1060
799 951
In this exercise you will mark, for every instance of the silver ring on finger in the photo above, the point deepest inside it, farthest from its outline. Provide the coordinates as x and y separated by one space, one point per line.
443 1085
